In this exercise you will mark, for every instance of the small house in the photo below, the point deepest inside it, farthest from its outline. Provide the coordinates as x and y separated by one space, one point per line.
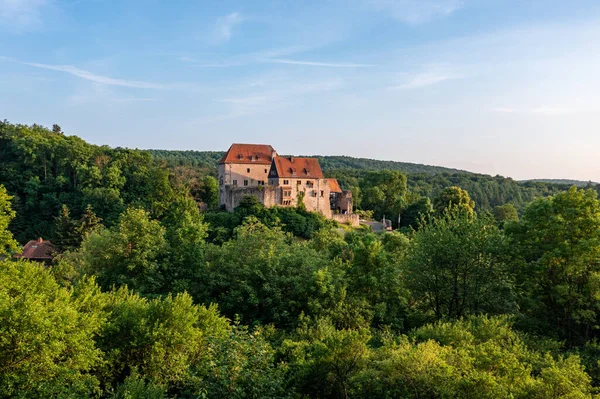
39 250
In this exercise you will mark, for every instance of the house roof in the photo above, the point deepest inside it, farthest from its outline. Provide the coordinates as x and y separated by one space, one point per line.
38 249
334 186
249 153
298 167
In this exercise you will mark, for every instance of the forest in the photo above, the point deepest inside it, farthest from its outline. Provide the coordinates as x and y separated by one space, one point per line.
487 288
423 180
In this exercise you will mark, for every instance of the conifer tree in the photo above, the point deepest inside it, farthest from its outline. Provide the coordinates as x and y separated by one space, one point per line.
88 223
65 230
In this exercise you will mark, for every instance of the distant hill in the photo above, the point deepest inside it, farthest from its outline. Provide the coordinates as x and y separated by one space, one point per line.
203 159
210 159
343 162
425 180
578 183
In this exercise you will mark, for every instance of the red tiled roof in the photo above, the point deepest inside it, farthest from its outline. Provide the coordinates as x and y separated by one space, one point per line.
249 153
298 167
334 186
38 249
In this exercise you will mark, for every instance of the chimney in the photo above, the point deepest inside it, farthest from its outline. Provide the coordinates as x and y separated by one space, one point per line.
291 159
273 154
40 240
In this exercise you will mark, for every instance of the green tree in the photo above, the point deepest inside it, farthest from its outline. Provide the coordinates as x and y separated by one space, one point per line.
160 338
209 193
47 333
7 243
185 232
323 360
477 357
376 276
383 192
134 387
65 230
128 254
505 213
243 365
413 213
558 241
88 223
454 197
455 267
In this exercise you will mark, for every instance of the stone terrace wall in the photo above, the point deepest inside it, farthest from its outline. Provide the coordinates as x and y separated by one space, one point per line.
351 219
264 194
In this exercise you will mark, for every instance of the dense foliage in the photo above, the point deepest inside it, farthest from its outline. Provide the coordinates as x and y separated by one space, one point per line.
428 181
150 297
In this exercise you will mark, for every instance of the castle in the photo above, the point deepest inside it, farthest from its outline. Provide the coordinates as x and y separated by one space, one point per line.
257 170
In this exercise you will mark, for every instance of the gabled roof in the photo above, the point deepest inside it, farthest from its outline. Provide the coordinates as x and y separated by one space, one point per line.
38 249
298 167
334 186
249 153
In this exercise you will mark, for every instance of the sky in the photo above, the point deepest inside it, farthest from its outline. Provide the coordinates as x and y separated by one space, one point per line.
509 87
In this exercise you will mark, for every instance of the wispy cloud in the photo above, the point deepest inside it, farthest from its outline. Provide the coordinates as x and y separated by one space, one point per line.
543 110
319 64
504 110
273 94
415 12
552 111
225 25
429 76
22 15
87 75
132 99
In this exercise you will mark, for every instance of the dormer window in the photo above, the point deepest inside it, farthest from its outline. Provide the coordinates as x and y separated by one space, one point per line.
307 172
240 156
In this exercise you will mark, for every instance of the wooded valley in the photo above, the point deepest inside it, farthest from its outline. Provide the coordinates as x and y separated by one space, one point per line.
487 287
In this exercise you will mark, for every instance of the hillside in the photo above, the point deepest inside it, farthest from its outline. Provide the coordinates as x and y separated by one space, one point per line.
425 180
328 162
345 162
569 182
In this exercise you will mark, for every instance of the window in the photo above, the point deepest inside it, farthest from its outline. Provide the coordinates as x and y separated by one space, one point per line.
261 182
309 184
286 182
299 182
287 202
322 193
235 182
265 171
287 193
246 183
248 170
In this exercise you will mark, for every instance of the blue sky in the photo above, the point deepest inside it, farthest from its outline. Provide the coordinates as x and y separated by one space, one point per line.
508 87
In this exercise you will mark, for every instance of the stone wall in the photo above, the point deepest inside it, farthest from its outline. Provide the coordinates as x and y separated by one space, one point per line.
234 194
348 218
238 174
315 193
